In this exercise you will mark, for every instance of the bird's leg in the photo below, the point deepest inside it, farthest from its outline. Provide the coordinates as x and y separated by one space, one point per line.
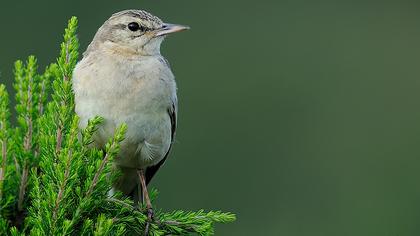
146 198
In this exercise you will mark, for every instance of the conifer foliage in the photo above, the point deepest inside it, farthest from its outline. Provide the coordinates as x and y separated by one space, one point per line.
52 182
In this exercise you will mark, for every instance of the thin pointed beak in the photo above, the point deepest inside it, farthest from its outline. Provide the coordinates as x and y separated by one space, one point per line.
171 28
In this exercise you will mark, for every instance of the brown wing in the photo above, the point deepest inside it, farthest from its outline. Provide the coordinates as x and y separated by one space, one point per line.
151 171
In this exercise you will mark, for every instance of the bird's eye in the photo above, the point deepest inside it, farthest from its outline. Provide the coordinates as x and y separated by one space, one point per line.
134 26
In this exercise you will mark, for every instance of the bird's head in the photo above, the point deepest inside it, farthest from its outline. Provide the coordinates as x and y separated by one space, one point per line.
135 31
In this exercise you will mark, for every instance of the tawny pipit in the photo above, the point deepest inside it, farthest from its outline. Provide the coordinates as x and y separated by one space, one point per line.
124 79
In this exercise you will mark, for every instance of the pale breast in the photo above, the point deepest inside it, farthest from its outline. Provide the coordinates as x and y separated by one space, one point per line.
137 92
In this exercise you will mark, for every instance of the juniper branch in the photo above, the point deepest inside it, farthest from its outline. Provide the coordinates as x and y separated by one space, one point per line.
25 84
112 148
23 185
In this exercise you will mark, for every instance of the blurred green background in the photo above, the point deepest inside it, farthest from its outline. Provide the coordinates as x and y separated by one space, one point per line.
302 117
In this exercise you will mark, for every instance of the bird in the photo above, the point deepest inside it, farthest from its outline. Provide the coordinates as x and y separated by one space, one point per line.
123 78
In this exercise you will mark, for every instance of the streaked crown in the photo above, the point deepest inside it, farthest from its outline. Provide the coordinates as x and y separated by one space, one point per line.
148 20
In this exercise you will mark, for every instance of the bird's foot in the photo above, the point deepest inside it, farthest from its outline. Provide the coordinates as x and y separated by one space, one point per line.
150 217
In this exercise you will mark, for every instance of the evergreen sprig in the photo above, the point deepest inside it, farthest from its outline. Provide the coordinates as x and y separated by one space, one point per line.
52 181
